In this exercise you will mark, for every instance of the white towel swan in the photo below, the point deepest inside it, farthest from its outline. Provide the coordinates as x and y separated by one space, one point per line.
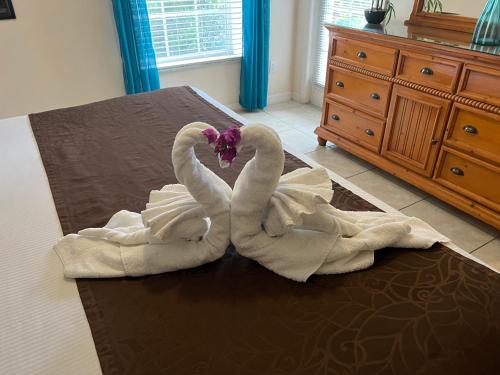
287 224
183 226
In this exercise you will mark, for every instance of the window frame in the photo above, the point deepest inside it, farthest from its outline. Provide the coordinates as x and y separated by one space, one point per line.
197 58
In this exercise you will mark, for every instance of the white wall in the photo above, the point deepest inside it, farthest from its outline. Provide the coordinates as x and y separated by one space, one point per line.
221 80
58 53
282 47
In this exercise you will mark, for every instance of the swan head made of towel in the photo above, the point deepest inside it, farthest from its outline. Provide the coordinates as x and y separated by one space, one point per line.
183 226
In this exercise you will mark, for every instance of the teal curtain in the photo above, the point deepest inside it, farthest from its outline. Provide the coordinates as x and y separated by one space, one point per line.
255 61
487 31
136 46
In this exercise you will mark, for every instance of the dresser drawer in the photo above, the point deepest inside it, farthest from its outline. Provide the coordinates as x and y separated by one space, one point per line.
429 71
354 125
480 83
474 131
366 93
367 56
471 177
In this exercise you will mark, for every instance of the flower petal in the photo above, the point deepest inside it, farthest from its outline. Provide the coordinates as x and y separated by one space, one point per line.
211 135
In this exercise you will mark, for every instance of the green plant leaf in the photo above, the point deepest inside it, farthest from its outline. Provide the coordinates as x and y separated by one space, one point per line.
391 12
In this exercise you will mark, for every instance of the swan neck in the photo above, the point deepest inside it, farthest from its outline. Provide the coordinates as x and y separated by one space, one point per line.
268 149
205 187
256 183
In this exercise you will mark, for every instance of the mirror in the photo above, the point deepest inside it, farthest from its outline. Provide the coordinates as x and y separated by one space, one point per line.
459 16
466 8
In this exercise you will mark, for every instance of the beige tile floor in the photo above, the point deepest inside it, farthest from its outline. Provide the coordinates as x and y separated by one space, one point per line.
295 124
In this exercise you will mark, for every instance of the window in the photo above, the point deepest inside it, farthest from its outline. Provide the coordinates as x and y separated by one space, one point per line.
333 10
187 31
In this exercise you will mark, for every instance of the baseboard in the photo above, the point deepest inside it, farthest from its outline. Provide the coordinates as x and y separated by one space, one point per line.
279 98
234 107
300 97
271 99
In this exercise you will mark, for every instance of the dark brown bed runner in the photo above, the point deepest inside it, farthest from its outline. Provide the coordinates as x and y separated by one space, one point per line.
428 312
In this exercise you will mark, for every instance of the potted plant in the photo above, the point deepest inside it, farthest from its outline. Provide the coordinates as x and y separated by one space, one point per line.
380 10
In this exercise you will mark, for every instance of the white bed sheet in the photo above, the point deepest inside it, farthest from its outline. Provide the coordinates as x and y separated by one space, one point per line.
43 328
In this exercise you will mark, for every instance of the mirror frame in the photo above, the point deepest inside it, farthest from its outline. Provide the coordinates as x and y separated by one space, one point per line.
440 21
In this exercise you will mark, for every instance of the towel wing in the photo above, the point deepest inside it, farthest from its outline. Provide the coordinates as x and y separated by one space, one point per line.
124 227
173 213
299 202
302 201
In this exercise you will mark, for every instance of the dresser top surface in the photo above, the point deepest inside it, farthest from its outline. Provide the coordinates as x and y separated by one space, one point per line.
397 29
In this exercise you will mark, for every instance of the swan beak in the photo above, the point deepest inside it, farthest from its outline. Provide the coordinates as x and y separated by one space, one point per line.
223 163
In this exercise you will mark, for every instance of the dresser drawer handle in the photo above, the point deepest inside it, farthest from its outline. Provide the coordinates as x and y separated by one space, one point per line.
457 171
369 132
335 118
375 96
470 129
427 71
361 55
434 141
339 84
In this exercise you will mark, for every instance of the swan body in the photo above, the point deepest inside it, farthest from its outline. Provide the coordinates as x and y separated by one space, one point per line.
184 225
286 223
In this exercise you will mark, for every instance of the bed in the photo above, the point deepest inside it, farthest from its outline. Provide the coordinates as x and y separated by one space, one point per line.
434 311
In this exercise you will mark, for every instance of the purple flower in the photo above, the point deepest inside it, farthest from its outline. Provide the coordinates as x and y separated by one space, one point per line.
211 134
232 135
226 146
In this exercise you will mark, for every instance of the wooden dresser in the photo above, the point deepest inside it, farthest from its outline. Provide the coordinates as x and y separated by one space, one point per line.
428 113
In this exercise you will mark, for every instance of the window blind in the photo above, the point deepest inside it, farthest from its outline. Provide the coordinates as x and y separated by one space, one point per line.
333 10
185 31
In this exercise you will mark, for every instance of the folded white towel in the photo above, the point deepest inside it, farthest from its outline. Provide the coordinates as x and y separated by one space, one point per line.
287 224
183 226
296 199
173 213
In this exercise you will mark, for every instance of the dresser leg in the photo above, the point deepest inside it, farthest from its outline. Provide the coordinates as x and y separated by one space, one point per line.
321 141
